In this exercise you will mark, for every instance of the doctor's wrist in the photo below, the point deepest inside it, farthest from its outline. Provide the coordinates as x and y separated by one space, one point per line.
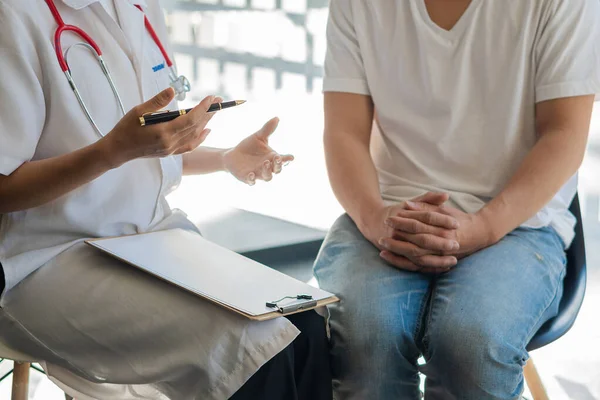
108 154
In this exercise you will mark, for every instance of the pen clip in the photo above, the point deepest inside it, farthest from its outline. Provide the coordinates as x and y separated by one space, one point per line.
156 113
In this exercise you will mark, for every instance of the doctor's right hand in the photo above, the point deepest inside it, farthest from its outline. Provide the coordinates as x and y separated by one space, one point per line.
129 140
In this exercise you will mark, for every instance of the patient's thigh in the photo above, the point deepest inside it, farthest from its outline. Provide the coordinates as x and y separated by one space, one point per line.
373 327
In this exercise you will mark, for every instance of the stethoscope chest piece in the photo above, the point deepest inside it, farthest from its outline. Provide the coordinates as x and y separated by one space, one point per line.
180 84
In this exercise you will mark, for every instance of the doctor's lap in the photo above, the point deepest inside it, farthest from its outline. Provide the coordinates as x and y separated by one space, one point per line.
68 173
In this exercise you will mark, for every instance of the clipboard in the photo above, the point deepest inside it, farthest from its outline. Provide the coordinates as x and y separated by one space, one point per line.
188 261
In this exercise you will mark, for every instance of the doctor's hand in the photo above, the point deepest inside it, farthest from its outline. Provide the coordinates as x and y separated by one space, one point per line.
129 140
253 159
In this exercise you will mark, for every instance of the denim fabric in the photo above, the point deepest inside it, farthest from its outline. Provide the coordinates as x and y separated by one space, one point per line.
471 324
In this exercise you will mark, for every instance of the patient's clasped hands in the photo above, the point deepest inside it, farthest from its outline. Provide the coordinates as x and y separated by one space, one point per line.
427 236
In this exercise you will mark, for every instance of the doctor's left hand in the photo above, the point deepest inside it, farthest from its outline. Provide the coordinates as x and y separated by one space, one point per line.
253 159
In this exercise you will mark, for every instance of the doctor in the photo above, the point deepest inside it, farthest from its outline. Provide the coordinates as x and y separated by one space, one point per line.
106 330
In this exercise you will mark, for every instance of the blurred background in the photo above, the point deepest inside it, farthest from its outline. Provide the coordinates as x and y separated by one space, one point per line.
271 53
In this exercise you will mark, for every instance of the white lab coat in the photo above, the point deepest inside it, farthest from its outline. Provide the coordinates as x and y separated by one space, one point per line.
84 314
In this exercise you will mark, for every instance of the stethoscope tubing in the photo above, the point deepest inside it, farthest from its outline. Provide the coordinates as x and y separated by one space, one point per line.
90 44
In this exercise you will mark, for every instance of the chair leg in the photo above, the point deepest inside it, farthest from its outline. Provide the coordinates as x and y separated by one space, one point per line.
20 387
534 382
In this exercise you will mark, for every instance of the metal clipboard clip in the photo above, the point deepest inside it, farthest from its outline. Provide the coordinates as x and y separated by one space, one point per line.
294 306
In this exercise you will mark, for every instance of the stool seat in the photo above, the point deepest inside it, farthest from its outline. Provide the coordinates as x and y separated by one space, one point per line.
11 354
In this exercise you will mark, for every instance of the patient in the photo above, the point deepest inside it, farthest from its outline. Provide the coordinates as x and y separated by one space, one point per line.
453 134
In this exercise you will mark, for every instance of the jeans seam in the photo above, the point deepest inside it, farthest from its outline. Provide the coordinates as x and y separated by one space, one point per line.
543 311
419 332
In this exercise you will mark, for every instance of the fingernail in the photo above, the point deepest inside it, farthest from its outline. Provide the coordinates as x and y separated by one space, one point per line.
278 160
267 164
381 242
455 246
388 222
411 204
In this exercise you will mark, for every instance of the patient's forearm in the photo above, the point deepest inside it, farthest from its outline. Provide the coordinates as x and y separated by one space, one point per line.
353 176
553 160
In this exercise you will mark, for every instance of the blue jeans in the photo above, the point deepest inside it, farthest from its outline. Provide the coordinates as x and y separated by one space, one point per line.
471 325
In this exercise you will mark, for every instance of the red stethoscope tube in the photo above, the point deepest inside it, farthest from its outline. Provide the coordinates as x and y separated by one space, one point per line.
155 37
180 84
62 27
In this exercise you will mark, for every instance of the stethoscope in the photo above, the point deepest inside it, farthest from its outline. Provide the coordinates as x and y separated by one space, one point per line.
180 84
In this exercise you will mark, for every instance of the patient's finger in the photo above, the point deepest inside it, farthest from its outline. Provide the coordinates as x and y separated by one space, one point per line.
428 241
418 255
432 218
398 261
406 264
410 225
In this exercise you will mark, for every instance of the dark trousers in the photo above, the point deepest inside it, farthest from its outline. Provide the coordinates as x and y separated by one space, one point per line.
300 371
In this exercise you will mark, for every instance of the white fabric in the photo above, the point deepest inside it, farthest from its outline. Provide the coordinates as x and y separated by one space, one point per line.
455 109
109 6
40 118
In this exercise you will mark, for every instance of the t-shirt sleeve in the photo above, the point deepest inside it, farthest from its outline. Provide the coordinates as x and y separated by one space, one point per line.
22 105
568 50
344 69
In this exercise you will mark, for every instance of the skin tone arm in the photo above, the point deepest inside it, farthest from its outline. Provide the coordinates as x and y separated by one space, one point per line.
39 182
348 122
353 177
250 160
562 126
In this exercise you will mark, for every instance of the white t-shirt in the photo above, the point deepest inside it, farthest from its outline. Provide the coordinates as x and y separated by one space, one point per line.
455 110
